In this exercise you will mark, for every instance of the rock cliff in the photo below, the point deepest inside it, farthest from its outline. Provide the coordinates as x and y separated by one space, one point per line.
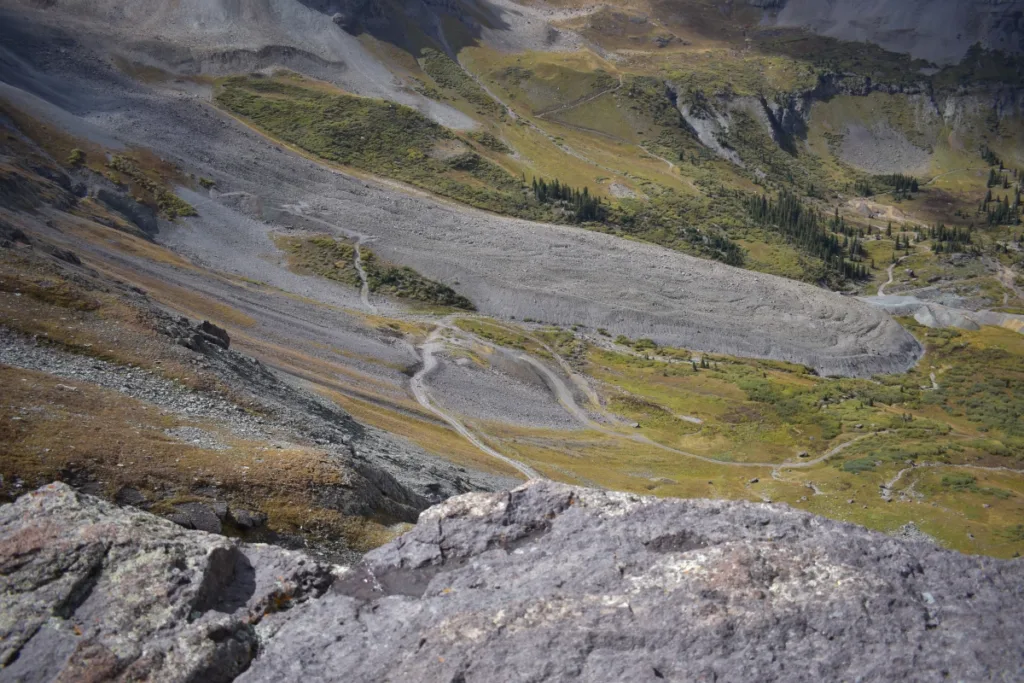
939 31
545 582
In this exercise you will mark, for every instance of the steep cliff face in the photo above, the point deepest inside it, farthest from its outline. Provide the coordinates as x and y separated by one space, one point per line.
940 31
546 582
932 118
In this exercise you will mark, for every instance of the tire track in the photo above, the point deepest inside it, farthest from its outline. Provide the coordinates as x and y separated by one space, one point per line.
890 269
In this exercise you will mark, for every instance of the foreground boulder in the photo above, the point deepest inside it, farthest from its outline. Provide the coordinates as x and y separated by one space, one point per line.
91 592
546 582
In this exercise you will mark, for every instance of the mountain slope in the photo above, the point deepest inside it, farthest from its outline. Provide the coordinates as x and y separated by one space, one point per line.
592 186
939 32
507 267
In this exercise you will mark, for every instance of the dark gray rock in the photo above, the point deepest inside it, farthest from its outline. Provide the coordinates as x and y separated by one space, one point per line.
197 516
553 583
9 236
220 508
142 216
205 338
217 334
127 495
247 520
65 255
546 582
90 591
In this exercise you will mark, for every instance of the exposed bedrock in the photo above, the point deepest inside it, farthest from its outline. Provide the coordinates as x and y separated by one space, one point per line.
89 591
545 582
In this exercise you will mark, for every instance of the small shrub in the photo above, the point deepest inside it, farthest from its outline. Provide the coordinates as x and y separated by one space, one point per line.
644 345
407 283
491 142
960 482
859 465
1001 494
170 205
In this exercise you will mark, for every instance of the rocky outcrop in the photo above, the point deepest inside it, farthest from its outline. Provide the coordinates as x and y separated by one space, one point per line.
90 591
546 582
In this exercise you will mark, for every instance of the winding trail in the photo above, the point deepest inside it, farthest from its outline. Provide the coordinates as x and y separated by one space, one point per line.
671 165
955 170
454 56
881 287
360 239
579 380
511 112
840 448
430 346
885 490
364 289
561 391
890 269
568 400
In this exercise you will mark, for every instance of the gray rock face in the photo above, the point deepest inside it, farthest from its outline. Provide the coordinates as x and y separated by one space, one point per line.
554 583
546 582
936 30
90 591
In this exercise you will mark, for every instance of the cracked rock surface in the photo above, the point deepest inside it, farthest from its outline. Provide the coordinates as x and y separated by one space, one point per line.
545 582
90 591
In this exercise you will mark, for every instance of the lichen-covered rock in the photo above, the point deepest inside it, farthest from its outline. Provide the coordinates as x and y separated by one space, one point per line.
546 582
90 591
554 583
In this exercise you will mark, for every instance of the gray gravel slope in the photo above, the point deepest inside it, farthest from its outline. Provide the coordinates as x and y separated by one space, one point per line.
224 36
507 267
